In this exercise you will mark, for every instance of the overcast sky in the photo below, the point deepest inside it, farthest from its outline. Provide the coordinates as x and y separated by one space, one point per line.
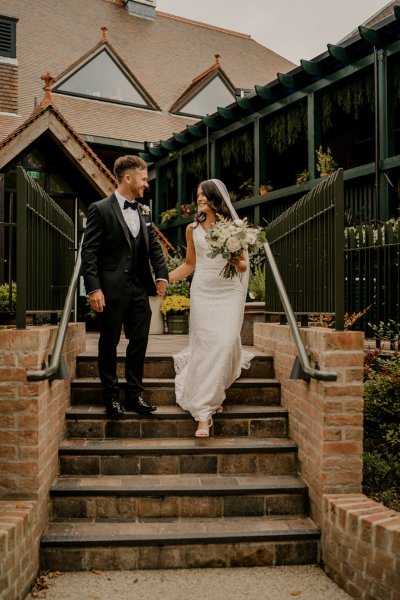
293 28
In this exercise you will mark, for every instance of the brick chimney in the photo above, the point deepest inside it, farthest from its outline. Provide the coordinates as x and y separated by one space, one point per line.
146 9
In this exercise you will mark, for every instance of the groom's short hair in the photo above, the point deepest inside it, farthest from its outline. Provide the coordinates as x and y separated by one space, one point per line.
126 163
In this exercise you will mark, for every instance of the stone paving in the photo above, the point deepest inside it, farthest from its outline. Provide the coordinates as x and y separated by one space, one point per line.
262 583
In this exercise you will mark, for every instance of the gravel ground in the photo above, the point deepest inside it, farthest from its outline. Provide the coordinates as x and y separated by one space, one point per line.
262 583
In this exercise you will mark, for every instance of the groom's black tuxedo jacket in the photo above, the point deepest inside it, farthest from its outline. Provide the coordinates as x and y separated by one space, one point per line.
108 247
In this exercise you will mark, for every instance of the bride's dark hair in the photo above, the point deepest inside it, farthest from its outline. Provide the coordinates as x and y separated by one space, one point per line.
215 201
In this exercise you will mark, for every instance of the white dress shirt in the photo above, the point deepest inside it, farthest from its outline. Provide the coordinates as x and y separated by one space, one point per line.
131 216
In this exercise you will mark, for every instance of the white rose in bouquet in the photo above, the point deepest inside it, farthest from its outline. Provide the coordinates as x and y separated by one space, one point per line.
231 239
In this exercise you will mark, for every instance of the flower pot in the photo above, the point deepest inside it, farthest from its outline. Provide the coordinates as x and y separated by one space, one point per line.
157 320
178 324
254 312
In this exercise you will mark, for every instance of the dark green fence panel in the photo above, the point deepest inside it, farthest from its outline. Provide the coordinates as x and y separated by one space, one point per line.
372 273
45 243
307 241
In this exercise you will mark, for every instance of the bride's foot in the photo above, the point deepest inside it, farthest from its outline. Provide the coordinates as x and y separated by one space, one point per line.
203 430
220 409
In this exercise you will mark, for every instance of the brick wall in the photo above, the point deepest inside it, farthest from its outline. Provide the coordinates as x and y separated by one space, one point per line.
8 88
359 536
32 420
19 550
361 546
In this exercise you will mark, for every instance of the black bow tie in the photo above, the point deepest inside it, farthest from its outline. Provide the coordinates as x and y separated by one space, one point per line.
132 204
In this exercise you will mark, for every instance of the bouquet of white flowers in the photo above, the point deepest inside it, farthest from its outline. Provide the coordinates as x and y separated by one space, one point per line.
232 239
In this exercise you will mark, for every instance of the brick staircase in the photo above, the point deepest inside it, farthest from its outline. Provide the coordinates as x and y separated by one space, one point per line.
142 492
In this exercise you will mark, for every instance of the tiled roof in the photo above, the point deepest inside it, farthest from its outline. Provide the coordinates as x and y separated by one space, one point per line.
48 105
164 55
386 11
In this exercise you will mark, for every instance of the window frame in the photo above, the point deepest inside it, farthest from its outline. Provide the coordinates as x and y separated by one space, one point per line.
12 21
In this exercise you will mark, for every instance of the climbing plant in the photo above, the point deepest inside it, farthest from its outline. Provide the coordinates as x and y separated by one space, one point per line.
396 81
237 148
350 97
283 130
196 163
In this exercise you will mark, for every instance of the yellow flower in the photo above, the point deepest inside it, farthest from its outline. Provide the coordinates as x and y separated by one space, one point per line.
177 305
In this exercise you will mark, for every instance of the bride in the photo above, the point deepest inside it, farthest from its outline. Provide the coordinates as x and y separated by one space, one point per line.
214 357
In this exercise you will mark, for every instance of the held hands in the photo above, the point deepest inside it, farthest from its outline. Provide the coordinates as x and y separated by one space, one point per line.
161 287
96 301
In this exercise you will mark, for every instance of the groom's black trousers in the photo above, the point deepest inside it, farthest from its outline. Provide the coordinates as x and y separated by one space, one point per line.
134 313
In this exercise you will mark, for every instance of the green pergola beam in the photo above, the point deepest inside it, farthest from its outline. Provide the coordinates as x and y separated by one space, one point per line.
196 130
312 68
170 145
341 54
373 37
266 93
288 81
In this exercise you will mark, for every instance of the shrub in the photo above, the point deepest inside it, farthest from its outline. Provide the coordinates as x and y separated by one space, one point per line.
382 402
5 297
256 289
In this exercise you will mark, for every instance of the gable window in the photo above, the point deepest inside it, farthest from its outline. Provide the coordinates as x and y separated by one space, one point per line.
206 101
103 78
8 45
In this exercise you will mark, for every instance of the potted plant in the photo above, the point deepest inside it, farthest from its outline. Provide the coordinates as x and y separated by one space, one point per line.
168 216
302 177
326 164
176 309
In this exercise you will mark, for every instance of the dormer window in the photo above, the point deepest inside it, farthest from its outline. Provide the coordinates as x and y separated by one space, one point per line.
8 37
103 77
206 102
206 93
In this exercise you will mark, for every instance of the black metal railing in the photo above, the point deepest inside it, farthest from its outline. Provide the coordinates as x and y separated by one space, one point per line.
307 241
45 250
372 273
302 368
57 368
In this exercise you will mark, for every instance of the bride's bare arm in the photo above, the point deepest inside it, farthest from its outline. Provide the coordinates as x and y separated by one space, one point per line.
188 266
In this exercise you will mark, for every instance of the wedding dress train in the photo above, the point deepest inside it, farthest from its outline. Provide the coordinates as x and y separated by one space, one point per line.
214 357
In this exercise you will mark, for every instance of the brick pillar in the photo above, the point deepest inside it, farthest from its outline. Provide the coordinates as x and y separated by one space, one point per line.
325 418
31 428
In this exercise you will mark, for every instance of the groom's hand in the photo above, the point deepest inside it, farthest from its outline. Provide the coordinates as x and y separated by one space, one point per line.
97 301
161 287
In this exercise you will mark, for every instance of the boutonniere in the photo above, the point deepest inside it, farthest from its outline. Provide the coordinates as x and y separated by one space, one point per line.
145 210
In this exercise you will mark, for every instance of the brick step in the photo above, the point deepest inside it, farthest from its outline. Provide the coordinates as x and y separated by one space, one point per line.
176 496
91 422
161 365
187 543
249 455
161 391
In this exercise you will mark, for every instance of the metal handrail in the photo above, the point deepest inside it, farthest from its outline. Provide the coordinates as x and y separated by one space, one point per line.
56 368
303 357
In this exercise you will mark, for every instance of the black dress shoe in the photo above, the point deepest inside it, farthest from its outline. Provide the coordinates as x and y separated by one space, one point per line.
139 405
114 408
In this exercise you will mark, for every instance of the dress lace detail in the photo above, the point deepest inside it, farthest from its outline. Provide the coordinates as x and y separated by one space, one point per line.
214 357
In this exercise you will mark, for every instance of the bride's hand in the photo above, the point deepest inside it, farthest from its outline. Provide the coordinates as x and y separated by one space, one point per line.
239 264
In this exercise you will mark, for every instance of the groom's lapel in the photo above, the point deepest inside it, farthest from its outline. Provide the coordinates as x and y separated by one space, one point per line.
118 213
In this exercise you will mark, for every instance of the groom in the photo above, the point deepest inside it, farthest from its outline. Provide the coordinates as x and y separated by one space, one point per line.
117 246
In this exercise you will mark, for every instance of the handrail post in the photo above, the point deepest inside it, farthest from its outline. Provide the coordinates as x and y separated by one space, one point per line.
339 250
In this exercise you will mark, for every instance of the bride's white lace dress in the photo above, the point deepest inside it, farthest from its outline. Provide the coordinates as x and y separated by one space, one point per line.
214 357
